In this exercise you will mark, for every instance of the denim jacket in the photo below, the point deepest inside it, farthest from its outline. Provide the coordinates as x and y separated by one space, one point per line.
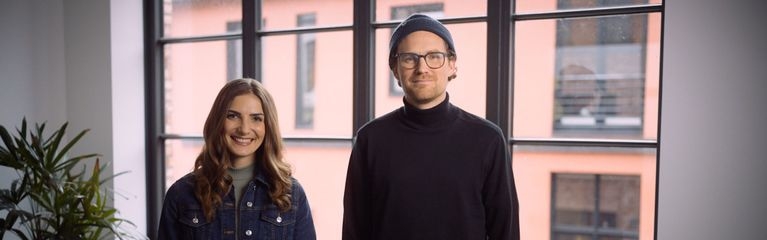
182 216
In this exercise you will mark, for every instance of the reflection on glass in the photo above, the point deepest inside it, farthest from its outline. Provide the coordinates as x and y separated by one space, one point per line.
194 72
467 91
387 10
585 191
587 77
524 6
183 18
281 14
310 78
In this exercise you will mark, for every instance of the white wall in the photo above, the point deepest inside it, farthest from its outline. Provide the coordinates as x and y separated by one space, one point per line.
713 161
81 62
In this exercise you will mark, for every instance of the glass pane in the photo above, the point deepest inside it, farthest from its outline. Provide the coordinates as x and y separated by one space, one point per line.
618 238
281 14
387 10
574 199
467 91
183 18
567 236
194 72
179 158
553 5
534 167
587 77
321 170
310 77
619 202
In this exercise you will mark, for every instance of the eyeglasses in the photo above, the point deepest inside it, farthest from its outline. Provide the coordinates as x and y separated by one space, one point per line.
410 60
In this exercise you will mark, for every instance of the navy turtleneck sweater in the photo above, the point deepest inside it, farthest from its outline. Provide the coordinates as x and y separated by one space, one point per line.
439 173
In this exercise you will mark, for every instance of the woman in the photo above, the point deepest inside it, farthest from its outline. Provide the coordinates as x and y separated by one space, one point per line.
240 187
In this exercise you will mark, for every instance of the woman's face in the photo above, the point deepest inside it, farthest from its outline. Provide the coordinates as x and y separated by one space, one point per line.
244 129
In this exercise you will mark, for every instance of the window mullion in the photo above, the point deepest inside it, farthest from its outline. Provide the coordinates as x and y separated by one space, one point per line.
499 67
251 19
363 63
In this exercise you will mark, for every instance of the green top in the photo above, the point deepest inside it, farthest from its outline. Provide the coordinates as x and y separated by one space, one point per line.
240 179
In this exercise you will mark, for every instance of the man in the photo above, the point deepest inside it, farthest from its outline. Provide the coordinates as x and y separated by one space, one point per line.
428 170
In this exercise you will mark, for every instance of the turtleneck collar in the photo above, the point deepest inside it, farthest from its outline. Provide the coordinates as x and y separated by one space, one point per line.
432 117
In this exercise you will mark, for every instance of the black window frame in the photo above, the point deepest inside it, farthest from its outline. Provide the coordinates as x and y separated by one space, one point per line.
500 19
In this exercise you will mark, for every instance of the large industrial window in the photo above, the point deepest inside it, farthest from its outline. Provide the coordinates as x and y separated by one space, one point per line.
574 84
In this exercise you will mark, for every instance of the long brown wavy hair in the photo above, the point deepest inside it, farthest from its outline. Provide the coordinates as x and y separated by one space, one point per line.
212 181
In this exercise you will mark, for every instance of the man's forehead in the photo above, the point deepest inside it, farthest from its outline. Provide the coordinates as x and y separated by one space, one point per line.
419 39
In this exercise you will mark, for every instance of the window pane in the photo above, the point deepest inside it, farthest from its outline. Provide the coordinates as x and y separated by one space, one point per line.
587 77
194 72
310 77
179 158
467 91
199 17
280 14
553 5
566 236
619 202
534 167
387 10
321 170
574 198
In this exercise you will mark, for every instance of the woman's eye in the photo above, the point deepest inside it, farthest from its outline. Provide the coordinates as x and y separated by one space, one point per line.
231 115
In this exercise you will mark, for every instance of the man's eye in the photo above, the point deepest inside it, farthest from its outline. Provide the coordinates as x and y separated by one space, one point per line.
408 58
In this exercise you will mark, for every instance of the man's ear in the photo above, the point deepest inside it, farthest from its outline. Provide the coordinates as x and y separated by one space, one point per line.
453 68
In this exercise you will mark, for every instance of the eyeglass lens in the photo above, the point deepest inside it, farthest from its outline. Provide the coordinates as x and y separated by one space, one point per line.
410 60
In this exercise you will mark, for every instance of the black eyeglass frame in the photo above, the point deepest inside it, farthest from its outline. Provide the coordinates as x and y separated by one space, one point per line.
445 57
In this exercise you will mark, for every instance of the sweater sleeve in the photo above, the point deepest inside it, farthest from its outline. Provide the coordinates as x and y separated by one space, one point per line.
356 220
500 195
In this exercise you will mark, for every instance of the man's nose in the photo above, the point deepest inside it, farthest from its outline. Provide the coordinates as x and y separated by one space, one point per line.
421 65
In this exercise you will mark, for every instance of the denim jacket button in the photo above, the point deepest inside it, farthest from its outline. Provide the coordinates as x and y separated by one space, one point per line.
250 204
195 221
279 219
248 233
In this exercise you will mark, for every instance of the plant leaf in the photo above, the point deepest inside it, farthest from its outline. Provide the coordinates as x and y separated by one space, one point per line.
69 145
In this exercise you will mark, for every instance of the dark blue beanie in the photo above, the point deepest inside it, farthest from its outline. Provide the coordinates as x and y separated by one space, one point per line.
418 22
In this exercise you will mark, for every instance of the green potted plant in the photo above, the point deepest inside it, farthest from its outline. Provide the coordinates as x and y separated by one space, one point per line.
65 201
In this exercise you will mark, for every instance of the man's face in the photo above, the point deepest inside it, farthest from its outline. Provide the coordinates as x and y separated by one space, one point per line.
424 86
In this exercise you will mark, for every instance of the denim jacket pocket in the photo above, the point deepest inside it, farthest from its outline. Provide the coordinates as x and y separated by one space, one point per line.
195 226
277 224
